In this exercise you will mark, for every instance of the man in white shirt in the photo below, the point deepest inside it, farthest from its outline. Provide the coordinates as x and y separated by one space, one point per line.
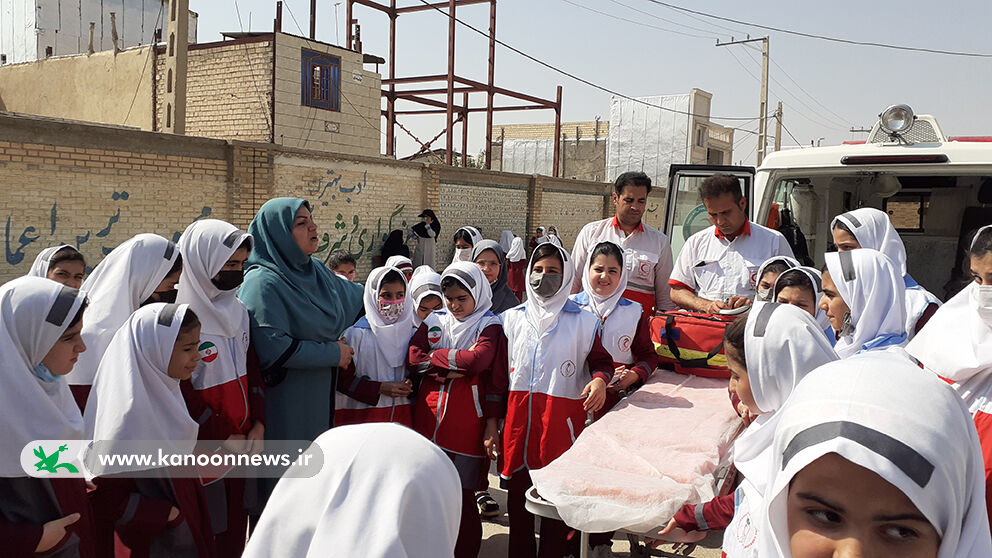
647 253
717 266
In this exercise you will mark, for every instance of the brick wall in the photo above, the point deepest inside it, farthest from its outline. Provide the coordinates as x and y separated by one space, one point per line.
95 186
228 90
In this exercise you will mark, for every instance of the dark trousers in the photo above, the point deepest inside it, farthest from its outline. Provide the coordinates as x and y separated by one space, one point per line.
522 543
470 530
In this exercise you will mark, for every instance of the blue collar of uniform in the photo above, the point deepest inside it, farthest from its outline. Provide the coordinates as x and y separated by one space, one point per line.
886 340
362 323
910 282
571 306
582 299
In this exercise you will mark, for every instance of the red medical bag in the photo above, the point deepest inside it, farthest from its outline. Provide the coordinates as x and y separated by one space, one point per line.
691 342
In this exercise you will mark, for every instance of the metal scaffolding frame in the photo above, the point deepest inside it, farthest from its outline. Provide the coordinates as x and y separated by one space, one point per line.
423 94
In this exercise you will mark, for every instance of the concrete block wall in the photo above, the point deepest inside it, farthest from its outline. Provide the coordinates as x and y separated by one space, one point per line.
228 90
569 209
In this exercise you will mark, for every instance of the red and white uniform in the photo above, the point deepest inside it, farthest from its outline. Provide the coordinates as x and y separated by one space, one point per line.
957 345
716 268
647 255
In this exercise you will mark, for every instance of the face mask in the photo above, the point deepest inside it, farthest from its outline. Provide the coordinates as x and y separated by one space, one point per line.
764 295
228 280
168 297
545 285
44 374
982 297
463 254
847 328
391 310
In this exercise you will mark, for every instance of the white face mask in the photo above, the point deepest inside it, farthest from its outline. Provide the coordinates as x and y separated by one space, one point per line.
764 294
463 254
982 297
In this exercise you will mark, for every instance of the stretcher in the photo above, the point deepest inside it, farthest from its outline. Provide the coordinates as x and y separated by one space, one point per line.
666 445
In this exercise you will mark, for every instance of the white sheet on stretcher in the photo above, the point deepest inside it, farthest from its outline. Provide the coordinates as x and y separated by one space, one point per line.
655 451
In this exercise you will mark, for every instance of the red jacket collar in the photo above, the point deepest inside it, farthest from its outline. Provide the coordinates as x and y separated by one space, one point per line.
616 224
746 231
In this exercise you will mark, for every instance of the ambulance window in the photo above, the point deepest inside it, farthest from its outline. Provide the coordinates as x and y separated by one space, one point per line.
907 210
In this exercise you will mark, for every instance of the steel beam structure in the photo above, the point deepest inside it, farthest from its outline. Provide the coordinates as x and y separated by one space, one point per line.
453 84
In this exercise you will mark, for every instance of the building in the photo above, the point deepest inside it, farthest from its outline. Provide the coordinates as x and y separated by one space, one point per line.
264 87
639 136
37 29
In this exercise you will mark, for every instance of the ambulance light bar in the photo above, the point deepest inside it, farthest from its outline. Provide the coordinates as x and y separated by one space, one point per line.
893 159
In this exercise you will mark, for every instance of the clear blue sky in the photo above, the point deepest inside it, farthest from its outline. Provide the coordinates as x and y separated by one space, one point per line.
854 82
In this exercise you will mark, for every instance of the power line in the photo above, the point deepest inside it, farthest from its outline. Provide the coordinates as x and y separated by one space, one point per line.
577 78
649 14
824 37
808 94
148 56
790 134
635 22
251 70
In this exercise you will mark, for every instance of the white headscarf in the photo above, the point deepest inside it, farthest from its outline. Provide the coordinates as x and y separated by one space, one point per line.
790 262
384 491
206 246
475 282
604 305
473 233
400 262
117 286
782 344
44 260
506 240
873 229
516 252
542 312
133 397
857 408
424 283
34 313
392 339
816 281
875 294
957 342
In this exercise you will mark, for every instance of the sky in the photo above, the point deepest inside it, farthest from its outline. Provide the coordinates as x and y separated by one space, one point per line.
640 48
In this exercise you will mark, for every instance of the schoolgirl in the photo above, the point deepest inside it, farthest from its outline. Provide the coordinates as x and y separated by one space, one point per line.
40 323
374 387
559 372
768 272
465 239
768 352
460 353
868 227
61 263
225 394
131 275
852 473
506 240
957 344
489 256
516 258
427 232
401 263
802 287
864 300
425 294
136 397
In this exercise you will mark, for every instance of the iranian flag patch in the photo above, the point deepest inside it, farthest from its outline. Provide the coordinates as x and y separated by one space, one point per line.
208 351
434 334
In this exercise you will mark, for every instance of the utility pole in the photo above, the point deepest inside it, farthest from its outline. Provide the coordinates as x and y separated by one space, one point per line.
778 127
763 114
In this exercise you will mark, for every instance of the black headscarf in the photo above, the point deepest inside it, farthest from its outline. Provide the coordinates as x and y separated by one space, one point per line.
420 229
503 297
394 246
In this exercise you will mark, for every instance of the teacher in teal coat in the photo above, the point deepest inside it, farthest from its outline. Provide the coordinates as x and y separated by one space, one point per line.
298 310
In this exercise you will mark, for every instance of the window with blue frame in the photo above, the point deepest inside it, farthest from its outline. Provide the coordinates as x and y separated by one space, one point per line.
321 80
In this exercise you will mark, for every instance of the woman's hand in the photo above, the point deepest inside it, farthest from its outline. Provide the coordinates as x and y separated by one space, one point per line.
346 353
256 438
627 378
746 415
173 514
235 443
54 531
396 389
595 394
490 438
672 533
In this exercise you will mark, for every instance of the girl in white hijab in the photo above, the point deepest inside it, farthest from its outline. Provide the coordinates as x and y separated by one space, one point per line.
458 354
768 272
62 263
769 351
374 387
516 260
853 474
958 344
868 227
225 394
560 373
864 299
383 492
465 239
506 240
803 287
425 294
136 397
122 282
39 341
402 263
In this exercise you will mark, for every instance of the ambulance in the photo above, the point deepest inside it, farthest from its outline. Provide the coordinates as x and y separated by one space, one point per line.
936 190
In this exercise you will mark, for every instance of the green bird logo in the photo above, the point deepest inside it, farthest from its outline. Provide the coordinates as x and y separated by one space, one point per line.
48 462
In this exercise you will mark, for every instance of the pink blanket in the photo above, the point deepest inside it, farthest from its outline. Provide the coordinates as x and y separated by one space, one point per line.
655 451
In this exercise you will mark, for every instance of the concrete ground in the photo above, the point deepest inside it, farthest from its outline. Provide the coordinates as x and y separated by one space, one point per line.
495 534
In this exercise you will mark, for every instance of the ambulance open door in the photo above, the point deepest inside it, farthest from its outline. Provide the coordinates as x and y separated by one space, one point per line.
685 214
